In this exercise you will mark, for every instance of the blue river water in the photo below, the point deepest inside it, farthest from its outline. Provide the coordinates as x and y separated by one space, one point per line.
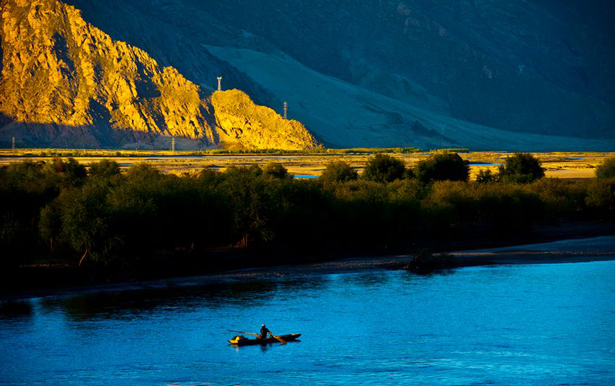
543 324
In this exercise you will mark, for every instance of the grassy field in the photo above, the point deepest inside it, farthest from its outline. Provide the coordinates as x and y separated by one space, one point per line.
560 165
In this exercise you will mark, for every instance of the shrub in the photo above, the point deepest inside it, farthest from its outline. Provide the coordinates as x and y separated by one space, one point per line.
249 171
442 167
79 218
275 170
104 169
423 260
562 198
601 196
24 189
143 172
521 168
449 203
70 171
338 171
384 168
485 176
409 174
606 169
253 201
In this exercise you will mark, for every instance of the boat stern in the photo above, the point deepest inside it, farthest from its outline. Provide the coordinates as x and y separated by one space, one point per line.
238 339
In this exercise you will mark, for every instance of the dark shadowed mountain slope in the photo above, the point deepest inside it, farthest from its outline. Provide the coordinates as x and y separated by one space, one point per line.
530 66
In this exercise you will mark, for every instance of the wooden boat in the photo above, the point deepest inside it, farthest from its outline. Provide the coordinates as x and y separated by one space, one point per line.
243 341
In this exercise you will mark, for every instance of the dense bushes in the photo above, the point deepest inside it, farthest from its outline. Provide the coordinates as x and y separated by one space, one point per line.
338 171
443 167
384 168
606 170
58 211
440 167
521 168
25 188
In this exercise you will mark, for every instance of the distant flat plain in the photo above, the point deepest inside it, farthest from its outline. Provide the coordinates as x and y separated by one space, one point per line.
569 165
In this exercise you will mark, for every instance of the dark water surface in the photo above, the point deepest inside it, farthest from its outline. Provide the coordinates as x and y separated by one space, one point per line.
523 324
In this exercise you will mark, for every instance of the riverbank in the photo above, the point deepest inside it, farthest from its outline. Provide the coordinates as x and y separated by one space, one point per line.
568 243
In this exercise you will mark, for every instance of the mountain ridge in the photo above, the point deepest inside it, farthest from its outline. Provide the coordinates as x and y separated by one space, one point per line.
494 75
67 83
521 67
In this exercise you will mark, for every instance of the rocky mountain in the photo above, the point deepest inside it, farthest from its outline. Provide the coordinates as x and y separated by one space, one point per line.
67 83
265 129
489 75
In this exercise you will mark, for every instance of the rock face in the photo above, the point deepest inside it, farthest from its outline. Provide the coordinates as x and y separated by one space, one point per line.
66 83
241 122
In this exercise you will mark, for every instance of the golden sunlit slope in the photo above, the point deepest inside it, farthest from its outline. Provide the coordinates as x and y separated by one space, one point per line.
241 122
66 83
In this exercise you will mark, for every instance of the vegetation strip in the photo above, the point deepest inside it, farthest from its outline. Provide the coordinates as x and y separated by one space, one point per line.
60 213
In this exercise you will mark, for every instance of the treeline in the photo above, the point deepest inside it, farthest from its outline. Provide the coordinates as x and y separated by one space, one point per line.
63 212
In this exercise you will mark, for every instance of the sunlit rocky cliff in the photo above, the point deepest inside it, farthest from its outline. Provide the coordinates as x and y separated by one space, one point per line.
265 129
67 83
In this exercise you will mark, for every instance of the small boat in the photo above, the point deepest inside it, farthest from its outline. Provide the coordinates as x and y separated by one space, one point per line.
243 341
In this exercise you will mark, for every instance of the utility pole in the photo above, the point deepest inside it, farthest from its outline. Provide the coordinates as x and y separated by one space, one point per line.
285 110
13 144
219 83
173 144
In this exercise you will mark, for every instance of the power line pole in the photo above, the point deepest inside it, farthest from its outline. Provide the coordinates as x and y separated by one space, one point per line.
173 144
285 110
219 83
13 143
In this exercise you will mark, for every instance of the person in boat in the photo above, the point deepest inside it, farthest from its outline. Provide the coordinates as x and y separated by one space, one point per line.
264 332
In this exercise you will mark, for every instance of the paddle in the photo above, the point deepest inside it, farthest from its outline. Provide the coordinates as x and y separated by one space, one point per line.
278 338
241 332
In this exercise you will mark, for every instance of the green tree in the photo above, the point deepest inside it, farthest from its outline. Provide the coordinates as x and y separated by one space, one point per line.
253 202
248 171
606 169
71 171
521 168
384 168
443 167
338 171
143 172
25 188
275 170
79 217
161 214
104 169
485 176
601 196
409 174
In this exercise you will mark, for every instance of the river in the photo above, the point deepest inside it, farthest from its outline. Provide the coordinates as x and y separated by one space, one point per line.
509 324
